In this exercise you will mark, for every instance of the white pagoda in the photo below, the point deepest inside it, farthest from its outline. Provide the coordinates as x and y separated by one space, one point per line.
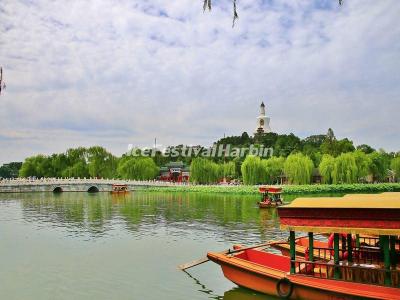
262 121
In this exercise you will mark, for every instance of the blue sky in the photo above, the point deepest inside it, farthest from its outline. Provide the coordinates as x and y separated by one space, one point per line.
119 72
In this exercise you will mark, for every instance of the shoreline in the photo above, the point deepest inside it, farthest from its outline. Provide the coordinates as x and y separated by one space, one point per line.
288 189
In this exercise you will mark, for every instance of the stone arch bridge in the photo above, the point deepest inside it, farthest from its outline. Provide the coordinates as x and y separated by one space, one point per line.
57 185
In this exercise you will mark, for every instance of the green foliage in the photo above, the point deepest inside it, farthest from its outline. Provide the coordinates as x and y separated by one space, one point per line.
363 163
311 147
242 140
203 171
269 139
78 162
287 189
326 168
253 171
34 166
379 165
286 144
78 169
334 147
102 164
229 169
10 170
345 170
138 168
365 148
298 168
273 168
395 166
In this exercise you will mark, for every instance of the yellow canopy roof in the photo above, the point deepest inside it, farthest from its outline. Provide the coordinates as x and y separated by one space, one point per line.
384 200
382 204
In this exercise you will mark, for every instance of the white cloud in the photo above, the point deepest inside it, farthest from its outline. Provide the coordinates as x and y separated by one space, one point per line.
117 72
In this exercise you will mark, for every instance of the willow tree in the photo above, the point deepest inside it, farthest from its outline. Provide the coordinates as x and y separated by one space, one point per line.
29 167
101 162
273 168
228 169
253 171
208 5
78 169
139 168
345 170
326 167
363 163
298 168
204 171
380 163
395 166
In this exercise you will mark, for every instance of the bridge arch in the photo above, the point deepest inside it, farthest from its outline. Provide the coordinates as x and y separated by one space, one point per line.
93 189
57 189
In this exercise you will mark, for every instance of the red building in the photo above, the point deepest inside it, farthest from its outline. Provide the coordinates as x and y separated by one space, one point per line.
175 171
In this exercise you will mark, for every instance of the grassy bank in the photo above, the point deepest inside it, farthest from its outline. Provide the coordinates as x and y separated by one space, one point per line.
289 189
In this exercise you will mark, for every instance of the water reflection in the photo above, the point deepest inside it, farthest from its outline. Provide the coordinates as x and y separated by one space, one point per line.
132 241
227 217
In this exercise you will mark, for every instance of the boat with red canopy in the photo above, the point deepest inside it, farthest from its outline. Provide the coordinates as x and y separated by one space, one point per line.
120 189
345 274
270 196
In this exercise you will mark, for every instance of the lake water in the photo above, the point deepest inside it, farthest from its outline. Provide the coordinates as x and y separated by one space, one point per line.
100 246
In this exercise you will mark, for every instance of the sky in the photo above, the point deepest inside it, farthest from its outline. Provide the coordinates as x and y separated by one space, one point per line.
120 72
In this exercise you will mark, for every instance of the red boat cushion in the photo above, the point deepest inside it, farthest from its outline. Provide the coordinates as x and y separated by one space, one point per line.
270 260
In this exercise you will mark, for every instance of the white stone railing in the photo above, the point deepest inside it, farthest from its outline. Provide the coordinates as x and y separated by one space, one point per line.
60 181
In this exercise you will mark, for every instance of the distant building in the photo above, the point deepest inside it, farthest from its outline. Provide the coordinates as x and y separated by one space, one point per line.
175 171
262 121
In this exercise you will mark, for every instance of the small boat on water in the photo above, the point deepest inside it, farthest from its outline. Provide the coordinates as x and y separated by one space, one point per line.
271 196
119 189
345 273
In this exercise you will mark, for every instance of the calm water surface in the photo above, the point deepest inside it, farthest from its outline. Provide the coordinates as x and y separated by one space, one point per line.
85 246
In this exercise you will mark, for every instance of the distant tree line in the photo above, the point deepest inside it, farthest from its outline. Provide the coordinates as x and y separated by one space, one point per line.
10 170
95 162
295 161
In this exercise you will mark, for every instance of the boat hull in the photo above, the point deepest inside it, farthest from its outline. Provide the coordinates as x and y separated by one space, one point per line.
264 279
268 205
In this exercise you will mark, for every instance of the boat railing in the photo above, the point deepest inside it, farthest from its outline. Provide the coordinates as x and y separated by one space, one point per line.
359 273
369 240
365 255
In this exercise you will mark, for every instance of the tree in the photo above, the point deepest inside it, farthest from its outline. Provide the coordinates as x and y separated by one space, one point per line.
365 148
58 162
35 166
345 170
314 140
326 168
228 169
77 161
298 168
204 171
311 147
363 164
334 147
101 163
138 168
10 170
395 166
268 139
286 144
273 168
78 169
253 171
379 165
207 5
